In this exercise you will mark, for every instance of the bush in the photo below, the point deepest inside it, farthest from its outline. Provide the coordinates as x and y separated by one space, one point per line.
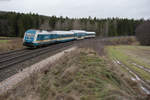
143 33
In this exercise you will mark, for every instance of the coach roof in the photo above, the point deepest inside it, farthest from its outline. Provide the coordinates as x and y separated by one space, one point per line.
90 32
62 32
78 31
43 32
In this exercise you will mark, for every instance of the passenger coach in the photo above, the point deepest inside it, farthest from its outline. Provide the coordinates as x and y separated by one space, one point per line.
90 35
79 34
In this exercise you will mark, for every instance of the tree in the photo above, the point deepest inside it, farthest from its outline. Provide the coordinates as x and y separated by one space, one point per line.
21 29
143 33
53 21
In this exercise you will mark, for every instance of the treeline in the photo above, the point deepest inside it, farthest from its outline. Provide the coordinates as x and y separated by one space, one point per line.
15 24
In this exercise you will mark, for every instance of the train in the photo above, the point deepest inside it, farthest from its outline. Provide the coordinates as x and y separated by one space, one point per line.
37 38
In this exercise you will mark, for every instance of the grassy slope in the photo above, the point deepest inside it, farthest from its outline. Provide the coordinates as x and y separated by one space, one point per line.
85 75
80 76
128 54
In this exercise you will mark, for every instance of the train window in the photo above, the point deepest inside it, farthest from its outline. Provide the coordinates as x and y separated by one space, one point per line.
29 35
52 36
46 37
40 37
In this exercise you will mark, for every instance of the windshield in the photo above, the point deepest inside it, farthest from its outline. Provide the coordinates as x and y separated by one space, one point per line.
30 35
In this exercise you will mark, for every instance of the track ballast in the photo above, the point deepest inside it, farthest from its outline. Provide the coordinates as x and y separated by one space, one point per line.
10 60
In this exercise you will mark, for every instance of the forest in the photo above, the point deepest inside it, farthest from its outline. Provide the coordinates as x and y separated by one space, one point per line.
14 24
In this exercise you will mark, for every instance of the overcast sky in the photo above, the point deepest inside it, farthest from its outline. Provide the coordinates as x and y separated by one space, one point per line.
81 8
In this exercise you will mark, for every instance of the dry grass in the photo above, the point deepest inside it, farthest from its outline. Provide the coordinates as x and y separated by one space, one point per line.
128 40
10 44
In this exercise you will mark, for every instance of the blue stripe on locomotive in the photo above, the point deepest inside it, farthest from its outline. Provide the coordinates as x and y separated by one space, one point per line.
66 40
46 36
69 36
51 38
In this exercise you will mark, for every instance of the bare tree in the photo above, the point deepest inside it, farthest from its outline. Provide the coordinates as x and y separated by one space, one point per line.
143 33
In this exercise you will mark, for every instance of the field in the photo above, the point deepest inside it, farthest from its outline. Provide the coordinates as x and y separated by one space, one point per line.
4 41
133 57
134 60
9 43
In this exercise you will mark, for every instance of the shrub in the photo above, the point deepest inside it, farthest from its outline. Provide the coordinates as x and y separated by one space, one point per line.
143 33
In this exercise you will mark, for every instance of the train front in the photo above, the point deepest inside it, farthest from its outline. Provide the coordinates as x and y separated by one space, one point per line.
29 38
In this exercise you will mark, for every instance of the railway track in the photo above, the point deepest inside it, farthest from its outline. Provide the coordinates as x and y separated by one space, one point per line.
11 58
11 54
14 61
